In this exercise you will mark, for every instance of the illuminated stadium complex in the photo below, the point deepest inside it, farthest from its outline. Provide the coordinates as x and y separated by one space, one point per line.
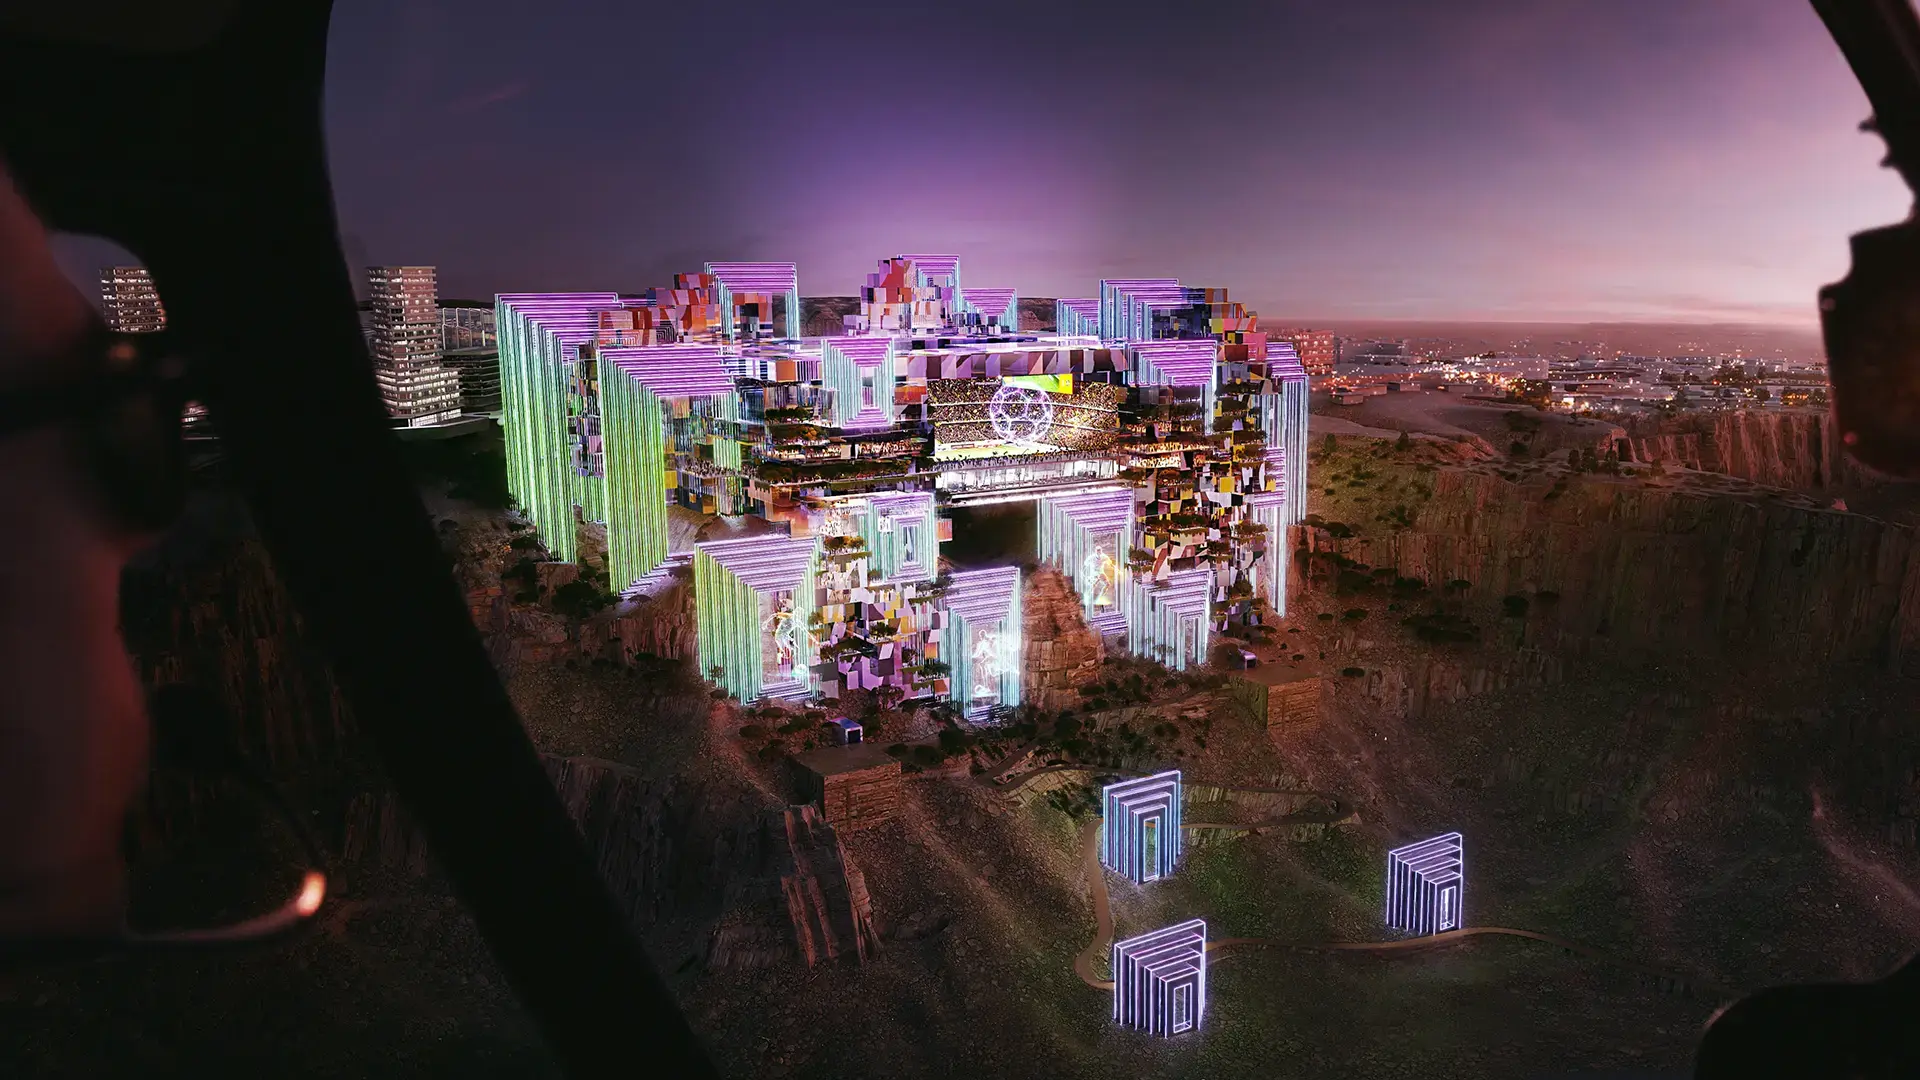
1159 432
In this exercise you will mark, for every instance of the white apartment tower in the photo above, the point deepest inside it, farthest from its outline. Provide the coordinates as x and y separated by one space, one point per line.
418 389
132 306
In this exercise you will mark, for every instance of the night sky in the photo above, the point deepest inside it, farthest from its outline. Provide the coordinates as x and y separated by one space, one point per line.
1430 159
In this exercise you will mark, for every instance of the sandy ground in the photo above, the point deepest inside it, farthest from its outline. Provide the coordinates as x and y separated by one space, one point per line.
1452 416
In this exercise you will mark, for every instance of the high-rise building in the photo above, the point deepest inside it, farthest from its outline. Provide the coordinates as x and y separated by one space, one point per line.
466 324
418 389
1315 348
132 305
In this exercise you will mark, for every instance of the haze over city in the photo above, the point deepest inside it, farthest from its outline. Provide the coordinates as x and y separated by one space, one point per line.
1647 160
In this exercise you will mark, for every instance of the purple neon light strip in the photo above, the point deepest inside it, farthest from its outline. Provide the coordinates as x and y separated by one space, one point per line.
983 595
1426 885
674 371
1095 511
1184 593
775 561
1283 362
756 276
934 265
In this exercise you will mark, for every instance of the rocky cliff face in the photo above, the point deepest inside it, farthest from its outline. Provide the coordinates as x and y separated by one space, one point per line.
779 883
1058 653
1792 448
204 608
1414 689
1662 568
794 892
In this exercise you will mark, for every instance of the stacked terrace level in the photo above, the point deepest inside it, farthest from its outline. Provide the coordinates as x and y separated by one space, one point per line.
753 601
909 294
540 339
643 392
739 286
879 621
1181 364
1088 537
983 644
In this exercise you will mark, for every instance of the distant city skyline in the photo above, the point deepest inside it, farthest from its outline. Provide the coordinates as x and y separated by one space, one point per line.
1643 161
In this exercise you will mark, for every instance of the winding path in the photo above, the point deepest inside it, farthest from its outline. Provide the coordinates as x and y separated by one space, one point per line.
1686 985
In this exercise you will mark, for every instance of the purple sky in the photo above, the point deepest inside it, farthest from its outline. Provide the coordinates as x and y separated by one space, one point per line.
1425 159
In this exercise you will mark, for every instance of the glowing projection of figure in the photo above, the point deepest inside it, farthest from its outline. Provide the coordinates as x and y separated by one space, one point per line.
988 662
1101 568
784 629
1160 979
1426 883
1020 414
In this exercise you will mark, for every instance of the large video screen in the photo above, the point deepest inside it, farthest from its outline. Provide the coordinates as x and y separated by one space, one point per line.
1021 414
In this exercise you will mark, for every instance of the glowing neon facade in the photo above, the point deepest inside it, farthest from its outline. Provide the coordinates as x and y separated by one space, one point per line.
540 336
1088 538
1140 836
1426 886
1162 435
989 310
1077 318
983 639
649 395
1160 979
739 285
1172 621
743 591
861 372
879 622
1183 364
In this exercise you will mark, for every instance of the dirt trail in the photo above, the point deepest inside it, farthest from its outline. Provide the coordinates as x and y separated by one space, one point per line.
1685 985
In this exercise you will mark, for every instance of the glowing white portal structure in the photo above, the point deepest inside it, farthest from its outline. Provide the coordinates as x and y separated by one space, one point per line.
1160 979
983 639
1140 827
739 283
1074 531
751 597
861 372
1077 317
991 309
1172 621
1426 884
1021 414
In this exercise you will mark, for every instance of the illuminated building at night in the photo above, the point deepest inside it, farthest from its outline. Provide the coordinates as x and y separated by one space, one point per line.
1160 979
1314 347
1426 885
131 304
1156 435
1140 827
417 388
